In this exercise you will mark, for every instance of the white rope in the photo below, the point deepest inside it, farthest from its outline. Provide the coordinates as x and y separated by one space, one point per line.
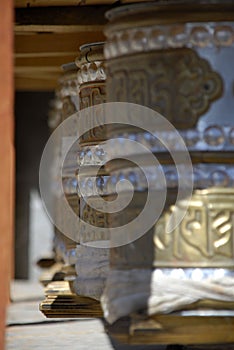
129 291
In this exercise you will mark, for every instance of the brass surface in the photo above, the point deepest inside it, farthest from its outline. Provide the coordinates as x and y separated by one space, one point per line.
176 329
204 238
61 302
182 85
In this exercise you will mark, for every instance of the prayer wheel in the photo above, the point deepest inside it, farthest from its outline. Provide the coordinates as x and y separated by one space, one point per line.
65 104
175 58
93 258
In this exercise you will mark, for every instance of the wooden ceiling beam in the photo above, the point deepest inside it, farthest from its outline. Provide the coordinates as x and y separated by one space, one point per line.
48 61
60 19
39 54
54 43
46 38
35 84
38 29
42 3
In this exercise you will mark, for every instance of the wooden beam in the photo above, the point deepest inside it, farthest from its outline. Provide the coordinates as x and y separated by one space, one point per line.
175 329
43 70
43 44
39 3
43 55
86 16
36 80
6 156
35 84
46 38
60 19
48 61
38 57
36 29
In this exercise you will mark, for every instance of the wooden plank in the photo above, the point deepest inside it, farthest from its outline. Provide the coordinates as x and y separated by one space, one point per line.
39 3
50 61
6 156
86 16
36 29
70 306
37 70
175 329
62 302
35 84
47 75
45 55
46 38
38 57
43 44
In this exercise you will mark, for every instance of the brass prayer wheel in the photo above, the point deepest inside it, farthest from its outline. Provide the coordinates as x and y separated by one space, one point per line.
92 263
176 59
92 84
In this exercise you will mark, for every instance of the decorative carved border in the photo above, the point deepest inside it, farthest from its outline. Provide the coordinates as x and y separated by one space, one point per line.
158 37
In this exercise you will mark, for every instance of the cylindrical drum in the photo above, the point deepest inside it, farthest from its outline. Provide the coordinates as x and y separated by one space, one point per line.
93 255
176 59
67 100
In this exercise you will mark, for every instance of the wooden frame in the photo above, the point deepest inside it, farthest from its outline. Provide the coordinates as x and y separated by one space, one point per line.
6 156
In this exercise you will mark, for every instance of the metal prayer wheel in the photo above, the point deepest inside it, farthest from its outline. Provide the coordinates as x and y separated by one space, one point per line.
175 59
92 262
70 102
66 104
92 87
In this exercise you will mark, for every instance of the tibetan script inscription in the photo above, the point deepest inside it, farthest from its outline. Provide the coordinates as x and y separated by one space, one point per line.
205 237
176 83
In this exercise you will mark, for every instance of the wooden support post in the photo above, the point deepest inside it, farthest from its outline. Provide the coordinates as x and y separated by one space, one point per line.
6 156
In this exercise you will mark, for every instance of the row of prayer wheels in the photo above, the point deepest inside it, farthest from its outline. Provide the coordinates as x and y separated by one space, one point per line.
166 74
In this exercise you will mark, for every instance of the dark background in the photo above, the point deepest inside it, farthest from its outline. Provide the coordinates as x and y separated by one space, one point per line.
31 135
